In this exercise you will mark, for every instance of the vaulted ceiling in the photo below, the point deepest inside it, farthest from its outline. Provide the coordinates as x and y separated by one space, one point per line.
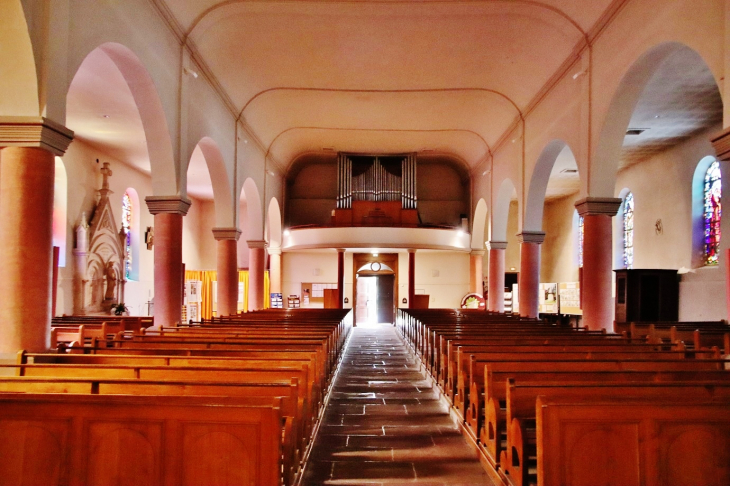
388 76
436 77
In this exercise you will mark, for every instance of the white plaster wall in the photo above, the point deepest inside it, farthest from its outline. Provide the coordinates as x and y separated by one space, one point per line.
312 267
443 275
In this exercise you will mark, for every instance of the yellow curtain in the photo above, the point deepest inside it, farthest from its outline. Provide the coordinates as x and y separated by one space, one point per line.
207 277
243 277
210 276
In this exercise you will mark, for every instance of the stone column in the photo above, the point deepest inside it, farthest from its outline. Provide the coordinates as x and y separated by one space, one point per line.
256 269
27 174
476 274
275 257
340 277
168 212
595 289
411 276
721 143
529 283
227 266
495 297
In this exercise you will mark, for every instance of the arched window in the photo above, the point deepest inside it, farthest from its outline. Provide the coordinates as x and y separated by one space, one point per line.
712 212
581 236
628 224
127 211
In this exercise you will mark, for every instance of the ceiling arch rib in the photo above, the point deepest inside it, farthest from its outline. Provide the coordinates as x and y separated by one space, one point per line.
461 144
507 47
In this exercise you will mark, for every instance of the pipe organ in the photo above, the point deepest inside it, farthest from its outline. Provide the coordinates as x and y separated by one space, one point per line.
376 179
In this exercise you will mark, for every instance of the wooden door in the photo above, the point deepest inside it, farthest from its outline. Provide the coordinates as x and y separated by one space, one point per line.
386 305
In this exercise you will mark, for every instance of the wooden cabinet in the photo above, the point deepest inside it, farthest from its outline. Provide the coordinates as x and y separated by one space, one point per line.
647 295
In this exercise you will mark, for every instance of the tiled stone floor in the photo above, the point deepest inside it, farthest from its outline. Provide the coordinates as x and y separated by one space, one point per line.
385 425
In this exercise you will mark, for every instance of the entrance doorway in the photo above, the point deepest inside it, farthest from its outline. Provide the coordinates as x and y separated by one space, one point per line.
376 280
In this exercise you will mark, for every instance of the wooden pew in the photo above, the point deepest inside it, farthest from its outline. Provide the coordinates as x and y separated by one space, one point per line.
90 439
493 434
632 443
519 456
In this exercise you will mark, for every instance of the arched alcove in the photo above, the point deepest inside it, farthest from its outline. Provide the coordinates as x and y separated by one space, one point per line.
129 121
255 216
273 224
555 166
500 213
207 179
633 86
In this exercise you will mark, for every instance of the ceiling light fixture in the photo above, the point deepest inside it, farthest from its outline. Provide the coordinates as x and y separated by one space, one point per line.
579 74
190 72
105 116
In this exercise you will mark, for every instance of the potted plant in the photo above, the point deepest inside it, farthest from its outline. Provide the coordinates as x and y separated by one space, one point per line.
119 309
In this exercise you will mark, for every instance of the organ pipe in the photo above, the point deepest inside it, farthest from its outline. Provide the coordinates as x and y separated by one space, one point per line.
376 183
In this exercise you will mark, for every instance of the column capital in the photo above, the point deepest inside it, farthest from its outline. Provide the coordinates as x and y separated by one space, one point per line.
477 252
226 233
256 244
721 143
411 250
590 206
340 250
531 237
274 251
35 132
496 245
168 204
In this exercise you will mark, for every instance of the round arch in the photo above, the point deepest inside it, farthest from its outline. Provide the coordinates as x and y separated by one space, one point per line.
538 183
604 166
273 223
254 229
500 213
479 225
224 210
19 80
165 180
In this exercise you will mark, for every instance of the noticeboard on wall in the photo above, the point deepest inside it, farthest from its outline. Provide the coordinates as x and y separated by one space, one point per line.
569 294
313 293
548 298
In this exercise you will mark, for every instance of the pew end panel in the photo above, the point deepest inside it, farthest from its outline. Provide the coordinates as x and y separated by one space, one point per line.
632 443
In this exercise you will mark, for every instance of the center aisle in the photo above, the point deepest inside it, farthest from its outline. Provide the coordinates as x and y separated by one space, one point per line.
384 423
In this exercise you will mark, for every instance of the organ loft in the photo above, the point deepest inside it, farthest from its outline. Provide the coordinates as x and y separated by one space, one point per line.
322 243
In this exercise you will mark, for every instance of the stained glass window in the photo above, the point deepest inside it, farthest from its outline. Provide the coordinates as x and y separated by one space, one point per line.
127 225
581 227
713 212
629 231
